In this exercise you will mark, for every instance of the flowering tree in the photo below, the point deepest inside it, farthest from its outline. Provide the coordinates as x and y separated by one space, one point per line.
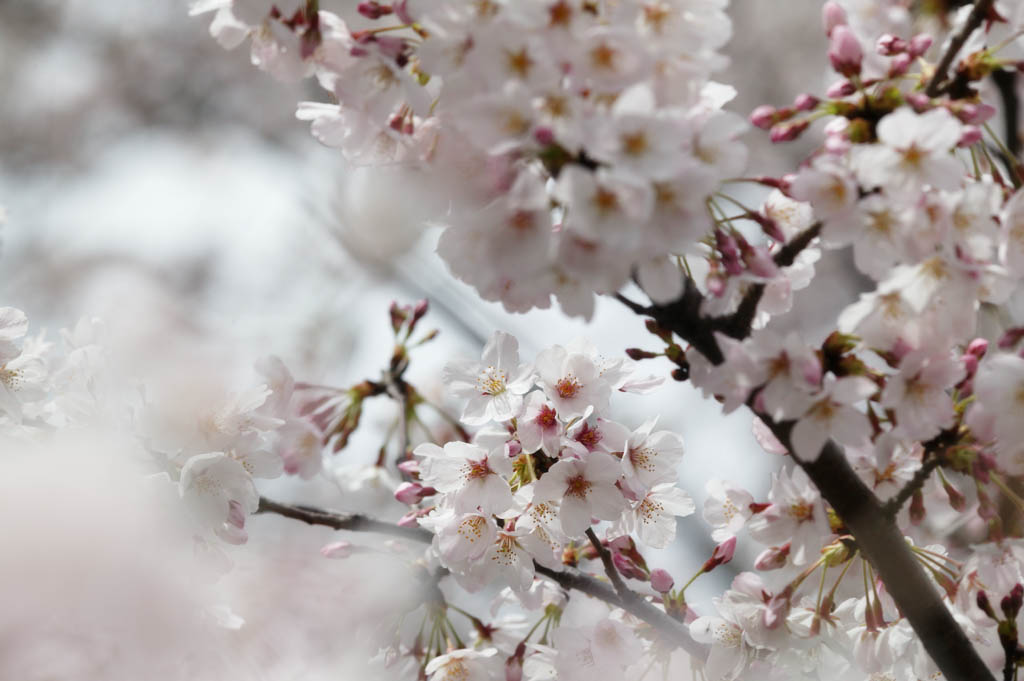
582 146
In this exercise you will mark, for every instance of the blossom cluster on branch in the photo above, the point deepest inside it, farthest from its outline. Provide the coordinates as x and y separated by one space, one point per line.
582 145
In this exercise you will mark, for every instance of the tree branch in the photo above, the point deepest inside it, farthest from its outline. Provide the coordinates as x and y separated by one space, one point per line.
876 535
893 506
672 631
938 84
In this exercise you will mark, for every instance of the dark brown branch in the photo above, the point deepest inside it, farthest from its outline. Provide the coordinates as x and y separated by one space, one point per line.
938 84
353 522
876 535
609 567
673 631
737 325
893 505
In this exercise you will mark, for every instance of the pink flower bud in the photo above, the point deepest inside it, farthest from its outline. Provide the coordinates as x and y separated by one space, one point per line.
339 549
979 346
773 558
899 65
844 52
661 581
956 497
889 45
722 554
412 518
544 136
919 101
763 117
628 568
788 132
919 44
805 102
971 135
832 15
413 492
839 89
410 467
373 10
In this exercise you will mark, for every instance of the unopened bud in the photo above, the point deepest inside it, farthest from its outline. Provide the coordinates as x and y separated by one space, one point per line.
971 135
919 44
628 568
398 315
840 88
985 605
773 558
1012 602
638 354
956 497
832 15
805 102
412 518
722 554
899 65
373 10
411 493
661 581
787 132
844 52
763 117
889 45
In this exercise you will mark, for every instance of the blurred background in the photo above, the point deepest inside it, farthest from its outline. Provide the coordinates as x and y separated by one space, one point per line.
154 180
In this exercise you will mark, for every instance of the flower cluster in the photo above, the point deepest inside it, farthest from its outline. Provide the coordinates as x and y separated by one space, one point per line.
546 463
580 139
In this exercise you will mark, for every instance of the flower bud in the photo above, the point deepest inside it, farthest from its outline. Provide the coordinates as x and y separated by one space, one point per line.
956 498
410 467
628 568
412 518
985 605
787 132
805 102
971 135
1012 602
763 117
919 101
722 554
413 493
638 354
661 581
919 44
373 10
844 52
899 65
832 15
839 89
773 558
889 45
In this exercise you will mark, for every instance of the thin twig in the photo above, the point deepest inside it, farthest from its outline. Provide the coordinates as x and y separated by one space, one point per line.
893 505
609 566
570 579
938 84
